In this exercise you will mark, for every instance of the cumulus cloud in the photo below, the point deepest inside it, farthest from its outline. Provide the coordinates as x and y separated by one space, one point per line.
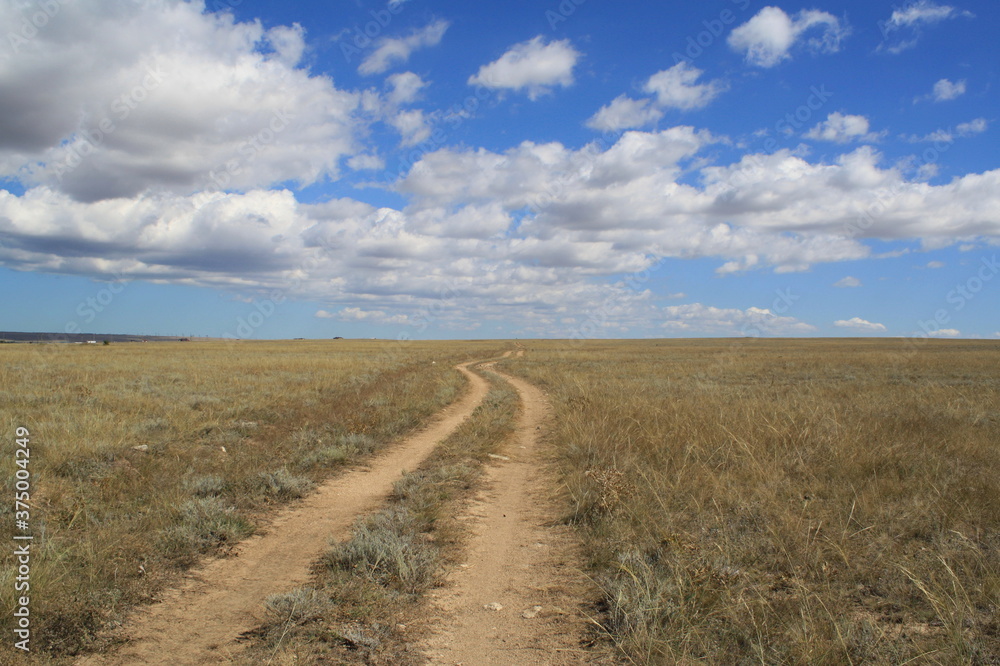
180 188
534 66
624 113
201 101
699 318
522 232
677 88
412 125
674 88
769 36
404 88
859 324
848 282
392 51
961 131
945 90
841 128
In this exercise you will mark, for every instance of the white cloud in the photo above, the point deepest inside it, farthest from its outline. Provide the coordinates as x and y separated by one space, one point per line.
909 22
405 88
860 324
371 316
935 264
391 51
365 162
533 66
288 43
922 11
200 101
522 234
973 127
848 282
674 88
699 318
412 125
963 130
768 37
624 113
945 333
677 88
841 128
945 90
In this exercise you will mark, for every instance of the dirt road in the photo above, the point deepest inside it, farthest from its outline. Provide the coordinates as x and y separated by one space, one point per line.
518 598
199 622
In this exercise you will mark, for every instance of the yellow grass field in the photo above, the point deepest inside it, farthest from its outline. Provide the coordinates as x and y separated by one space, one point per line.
226 431
749 501
784 501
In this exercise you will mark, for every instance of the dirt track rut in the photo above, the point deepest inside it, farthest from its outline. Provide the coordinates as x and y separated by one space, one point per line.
518 598
199 622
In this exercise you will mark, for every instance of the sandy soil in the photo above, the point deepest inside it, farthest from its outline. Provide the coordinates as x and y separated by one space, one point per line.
518 598
199 622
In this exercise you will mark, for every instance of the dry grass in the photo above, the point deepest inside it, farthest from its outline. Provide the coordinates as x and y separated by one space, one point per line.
369 589
225 433
792 502
799 502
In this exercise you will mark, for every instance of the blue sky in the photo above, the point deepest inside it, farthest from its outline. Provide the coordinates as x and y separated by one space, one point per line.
520 169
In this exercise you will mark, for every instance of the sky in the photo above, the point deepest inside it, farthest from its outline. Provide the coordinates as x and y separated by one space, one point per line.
561 169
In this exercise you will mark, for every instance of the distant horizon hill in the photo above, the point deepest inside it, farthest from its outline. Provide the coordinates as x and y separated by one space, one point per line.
74 338
20 336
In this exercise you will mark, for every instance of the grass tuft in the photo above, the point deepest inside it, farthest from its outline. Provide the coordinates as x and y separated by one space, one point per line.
390 549
280 485
204 525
